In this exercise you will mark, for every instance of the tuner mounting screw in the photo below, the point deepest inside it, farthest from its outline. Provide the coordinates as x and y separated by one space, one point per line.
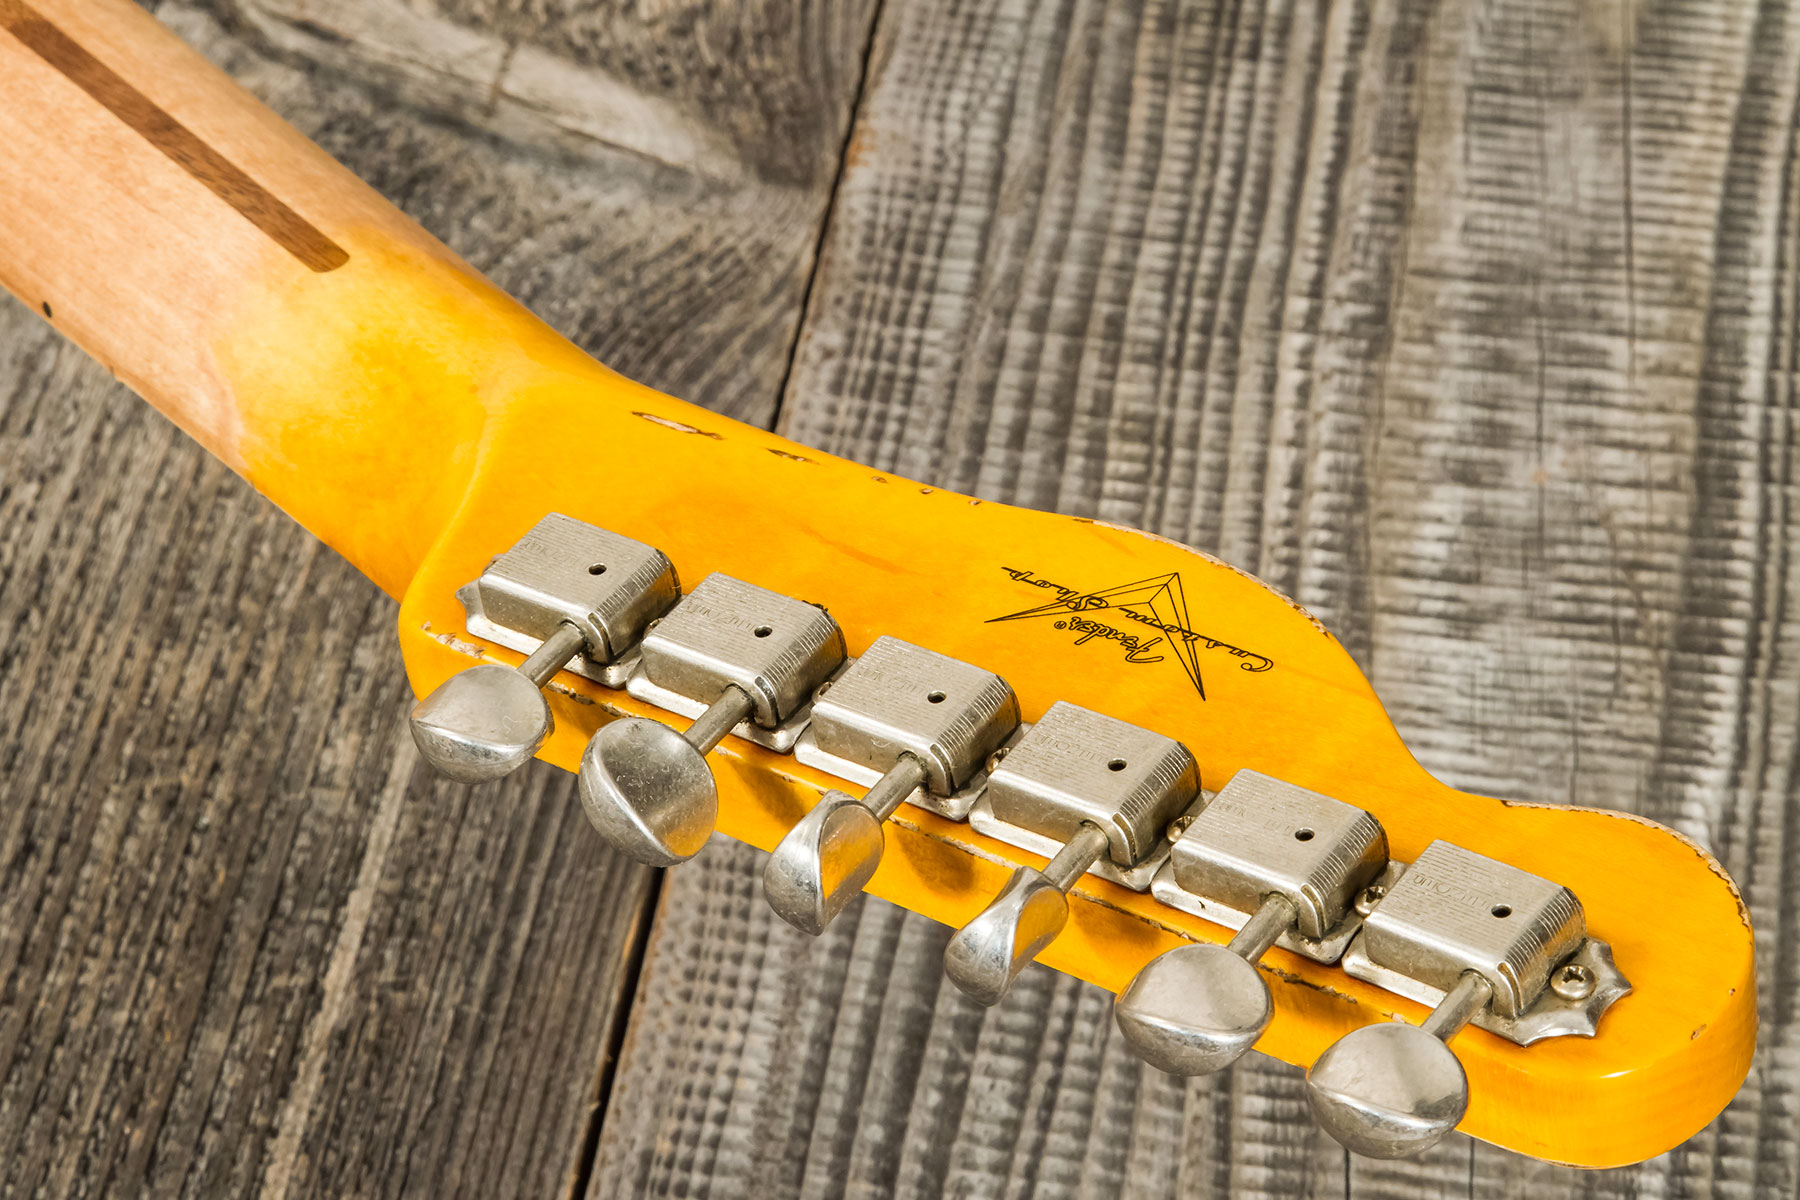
1368 898
1573 982
1179 826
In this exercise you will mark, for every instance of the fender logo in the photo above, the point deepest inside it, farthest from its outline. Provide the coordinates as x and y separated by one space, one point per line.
1158 603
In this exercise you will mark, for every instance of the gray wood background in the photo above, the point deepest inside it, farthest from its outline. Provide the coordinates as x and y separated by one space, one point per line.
1471 324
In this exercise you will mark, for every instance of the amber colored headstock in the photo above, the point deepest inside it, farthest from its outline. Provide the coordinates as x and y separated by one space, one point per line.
1241 675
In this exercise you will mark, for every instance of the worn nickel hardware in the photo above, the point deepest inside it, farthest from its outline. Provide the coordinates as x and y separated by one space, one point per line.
917 725
1272 861
1093 792
567 594
736 657
1480 940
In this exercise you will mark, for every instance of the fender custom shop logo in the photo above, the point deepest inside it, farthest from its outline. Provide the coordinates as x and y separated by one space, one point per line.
1147 620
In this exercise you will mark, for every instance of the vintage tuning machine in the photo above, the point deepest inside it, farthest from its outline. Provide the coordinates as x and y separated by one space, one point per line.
567 594
1274 862
1482 942
735 657
1094 793
914 724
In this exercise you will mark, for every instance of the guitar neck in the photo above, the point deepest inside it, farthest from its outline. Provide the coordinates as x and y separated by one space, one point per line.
223 266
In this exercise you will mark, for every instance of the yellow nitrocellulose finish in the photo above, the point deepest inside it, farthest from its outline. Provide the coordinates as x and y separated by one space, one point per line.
420 422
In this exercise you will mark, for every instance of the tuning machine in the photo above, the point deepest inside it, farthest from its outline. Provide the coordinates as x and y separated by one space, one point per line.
1478 940
1093 792
735 657
1275 862
914 724
1483 942
566 594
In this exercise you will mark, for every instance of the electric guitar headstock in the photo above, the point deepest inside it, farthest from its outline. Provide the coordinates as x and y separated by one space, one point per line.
1084 746
1077 744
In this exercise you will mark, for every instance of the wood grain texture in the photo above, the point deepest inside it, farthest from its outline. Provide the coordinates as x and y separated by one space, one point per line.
247 945
1470 325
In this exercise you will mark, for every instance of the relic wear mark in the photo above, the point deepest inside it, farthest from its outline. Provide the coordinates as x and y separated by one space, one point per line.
665 422
177 142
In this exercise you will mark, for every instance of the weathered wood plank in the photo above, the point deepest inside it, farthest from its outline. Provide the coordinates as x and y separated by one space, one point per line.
246 945
1469 325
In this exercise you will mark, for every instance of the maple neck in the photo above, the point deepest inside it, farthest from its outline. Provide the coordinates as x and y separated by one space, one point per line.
225 268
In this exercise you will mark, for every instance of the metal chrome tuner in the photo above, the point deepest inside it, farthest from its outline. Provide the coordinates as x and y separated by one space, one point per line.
567 594
735 657
1093 792
1482 942
922 725
1274 862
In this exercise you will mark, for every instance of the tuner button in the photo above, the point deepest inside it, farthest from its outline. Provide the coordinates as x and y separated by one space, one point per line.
988 953
649 792
828 857
824 862
481 724
1388 1091
1194 1010
1199 1008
